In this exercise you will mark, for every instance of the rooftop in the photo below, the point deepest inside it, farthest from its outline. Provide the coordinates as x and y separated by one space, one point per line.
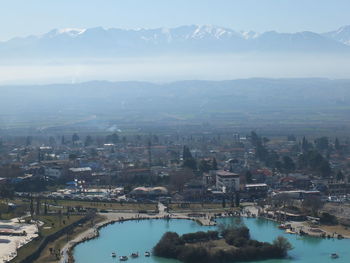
223 173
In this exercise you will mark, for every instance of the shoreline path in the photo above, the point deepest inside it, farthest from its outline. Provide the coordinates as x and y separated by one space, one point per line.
113 217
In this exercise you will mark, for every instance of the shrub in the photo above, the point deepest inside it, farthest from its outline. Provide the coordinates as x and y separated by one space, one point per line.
200 236
328 219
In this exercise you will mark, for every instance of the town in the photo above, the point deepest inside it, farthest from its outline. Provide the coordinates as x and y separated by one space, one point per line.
61 180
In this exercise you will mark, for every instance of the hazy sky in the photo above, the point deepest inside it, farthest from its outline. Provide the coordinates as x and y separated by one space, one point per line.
24 17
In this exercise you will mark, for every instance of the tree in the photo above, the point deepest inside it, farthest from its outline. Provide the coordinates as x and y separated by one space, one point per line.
265 140
28 141
249 177
186 153
254 138
315 162
114 138
237 199
340 176
6 191
283 244
38 204
3 208
261 152
288 164
204 166
31 207
337 144
223 202
272 159
325 169
52 141
88 140
214 164
322 143
188 160
190 163
328 219
75 137
305 145
302 161
46 206
178 179
313 203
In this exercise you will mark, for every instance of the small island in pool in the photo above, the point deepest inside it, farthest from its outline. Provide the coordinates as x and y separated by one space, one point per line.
230 244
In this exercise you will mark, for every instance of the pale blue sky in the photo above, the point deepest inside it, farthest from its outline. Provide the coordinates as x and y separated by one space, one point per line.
25 17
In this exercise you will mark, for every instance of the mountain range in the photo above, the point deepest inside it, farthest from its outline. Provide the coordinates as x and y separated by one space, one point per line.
192 39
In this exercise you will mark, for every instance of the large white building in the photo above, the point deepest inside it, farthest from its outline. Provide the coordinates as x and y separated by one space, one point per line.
227 182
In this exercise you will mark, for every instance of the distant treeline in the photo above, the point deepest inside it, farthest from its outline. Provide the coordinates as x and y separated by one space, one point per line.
196 247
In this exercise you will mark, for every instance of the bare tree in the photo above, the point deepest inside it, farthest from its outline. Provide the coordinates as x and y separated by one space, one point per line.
178 179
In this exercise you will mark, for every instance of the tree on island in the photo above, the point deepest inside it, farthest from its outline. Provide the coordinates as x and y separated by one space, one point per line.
283 244
236 245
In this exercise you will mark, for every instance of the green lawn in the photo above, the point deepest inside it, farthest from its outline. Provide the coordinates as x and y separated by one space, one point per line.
55 223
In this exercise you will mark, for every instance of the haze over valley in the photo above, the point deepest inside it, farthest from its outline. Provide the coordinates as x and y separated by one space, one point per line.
299 104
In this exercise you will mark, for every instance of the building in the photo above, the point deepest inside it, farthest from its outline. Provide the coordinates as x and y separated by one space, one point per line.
54 171
256 190
295 194
83 173
339 188
227 181
209 179
193 191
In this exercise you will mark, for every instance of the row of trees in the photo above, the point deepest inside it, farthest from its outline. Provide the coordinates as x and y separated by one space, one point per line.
310 158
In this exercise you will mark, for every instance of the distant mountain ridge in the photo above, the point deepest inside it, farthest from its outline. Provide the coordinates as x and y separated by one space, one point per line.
191 39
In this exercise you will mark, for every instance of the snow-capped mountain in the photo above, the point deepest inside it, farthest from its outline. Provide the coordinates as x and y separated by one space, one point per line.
342 35
194 39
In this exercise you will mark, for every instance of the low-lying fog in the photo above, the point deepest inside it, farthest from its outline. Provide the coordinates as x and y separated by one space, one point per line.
174 68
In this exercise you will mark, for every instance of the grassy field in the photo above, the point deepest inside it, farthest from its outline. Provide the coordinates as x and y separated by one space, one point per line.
105 205
46 256
52 224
